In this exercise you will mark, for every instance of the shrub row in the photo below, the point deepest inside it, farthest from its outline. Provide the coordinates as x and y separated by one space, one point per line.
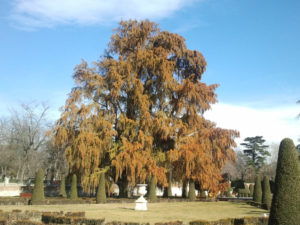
234 221
61 201
170 223
243 192
16 215
13 201
34 217
75 214
73 219
50 218
27 222
125 223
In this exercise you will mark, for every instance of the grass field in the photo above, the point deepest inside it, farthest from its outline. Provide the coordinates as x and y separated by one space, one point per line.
157 212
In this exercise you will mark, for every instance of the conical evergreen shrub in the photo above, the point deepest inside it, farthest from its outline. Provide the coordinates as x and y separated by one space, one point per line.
285 208
62 187
101 193
192 193
38 191
266 193
257 194
251 189
152 189
73 192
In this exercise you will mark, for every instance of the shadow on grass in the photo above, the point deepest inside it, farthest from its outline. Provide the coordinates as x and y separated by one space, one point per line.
129 209
255 212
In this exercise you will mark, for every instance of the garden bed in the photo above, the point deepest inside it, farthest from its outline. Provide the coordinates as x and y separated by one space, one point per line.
157 213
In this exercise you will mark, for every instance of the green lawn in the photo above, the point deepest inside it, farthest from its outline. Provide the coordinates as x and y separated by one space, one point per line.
157 212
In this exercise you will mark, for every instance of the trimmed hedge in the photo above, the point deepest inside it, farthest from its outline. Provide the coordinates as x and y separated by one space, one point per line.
62 187
169 223
233 221
48 218
257 195
125 223
266 194
243 192
27 222
75 214
38 191
101 193
13 201
73 192
286 199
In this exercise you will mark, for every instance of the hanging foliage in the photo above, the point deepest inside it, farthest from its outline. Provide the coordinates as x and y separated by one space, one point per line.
139 112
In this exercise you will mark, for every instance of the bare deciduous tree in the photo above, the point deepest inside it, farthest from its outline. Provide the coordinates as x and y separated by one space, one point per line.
25 134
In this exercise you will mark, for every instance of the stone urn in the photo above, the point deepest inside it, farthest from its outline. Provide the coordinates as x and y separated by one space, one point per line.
141 202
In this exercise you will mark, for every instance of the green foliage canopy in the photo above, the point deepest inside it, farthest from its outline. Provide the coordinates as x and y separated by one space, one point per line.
256 151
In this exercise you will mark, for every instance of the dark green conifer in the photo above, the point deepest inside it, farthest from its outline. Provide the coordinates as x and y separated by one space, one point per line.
152 189
62 187
285 207
257 194
73 192
101 193
38 191
266 194
192 193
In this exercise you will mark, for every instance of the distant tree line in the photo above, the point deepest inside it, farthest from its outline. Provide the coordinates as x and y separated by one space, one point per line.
25 146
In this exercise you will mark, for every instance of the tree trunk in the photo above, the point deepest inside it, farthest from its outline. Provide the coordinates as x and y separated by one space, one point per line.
170 184
22 173
123 186
168 189
184 189
192 194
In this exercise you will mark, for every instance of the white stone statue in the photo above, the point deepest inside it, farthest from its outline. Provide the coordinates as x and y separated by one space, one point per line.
141 202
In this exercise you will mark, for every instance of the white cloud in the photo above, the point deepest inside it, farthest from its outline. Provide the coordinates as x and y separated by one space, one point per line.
49 13
273 124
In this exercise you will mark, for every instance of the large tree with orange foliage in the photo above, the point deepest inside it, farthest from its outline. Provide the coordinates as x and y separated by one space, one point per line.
139 112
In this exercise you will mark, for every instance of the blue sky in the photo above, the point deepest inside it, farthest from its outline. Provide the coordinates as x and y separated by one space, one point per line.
252 49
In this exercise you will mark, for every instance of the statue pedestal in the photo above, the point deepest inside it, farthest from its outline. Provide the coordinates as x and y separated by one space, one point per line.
141 202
